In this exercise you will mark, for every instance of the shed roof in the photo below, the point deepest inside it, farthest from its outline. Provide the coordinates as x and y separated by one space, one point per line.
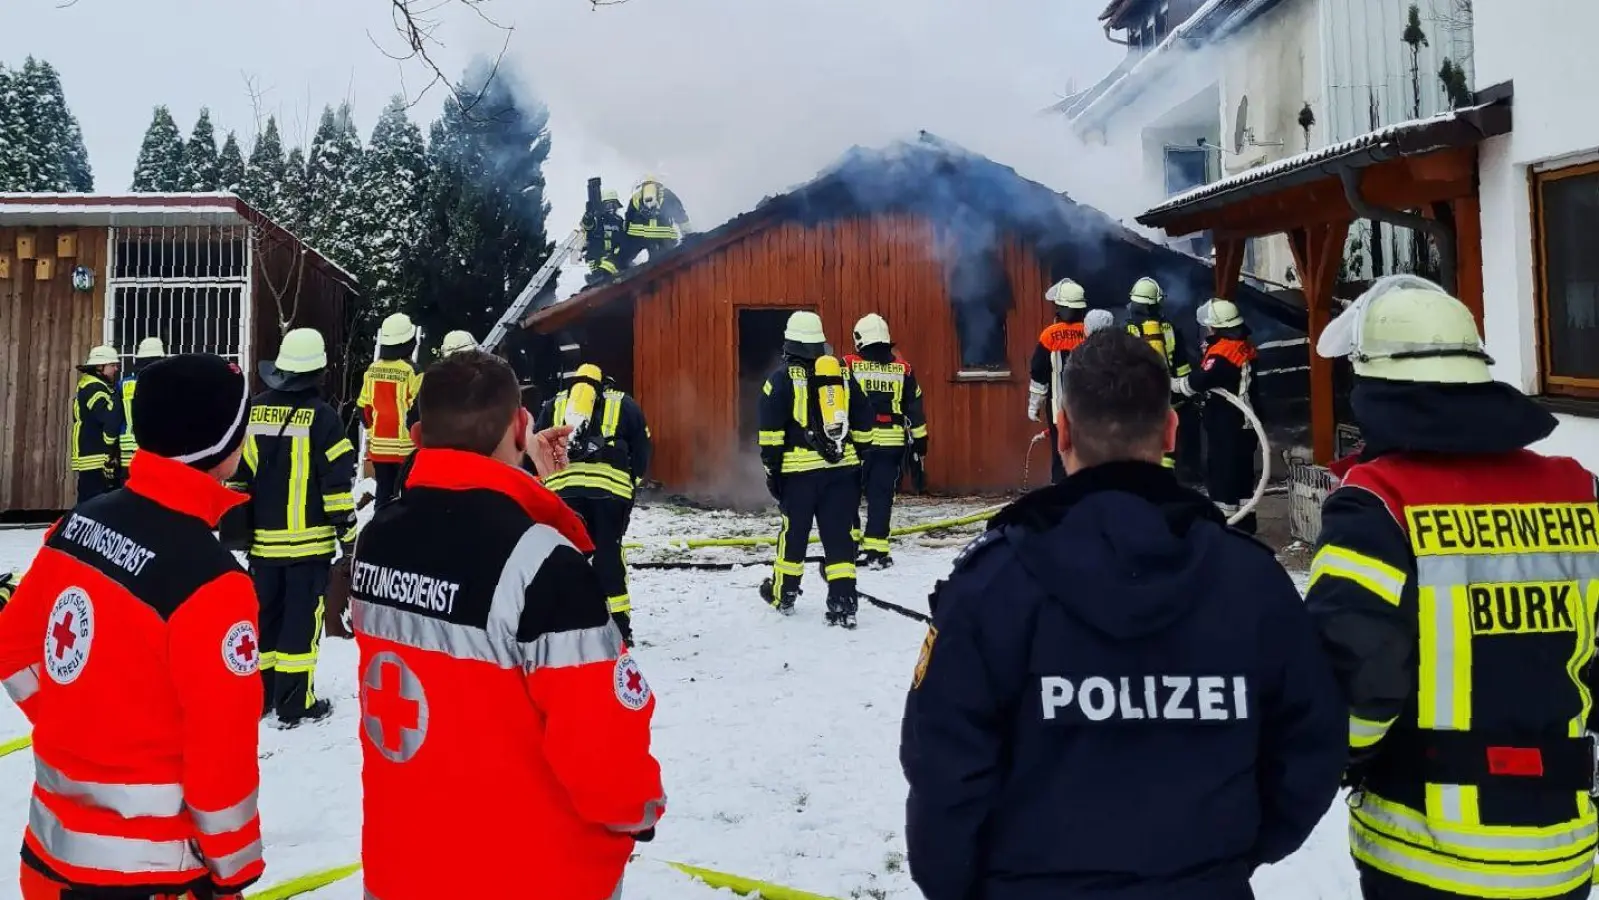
47 210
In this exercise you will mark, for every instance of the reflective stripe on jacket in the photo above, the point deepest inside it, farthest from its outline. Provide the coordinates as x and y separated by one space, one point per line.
95 423
1459 594
624 454
129 445
131 646
388 390
786 437
298 469
896 400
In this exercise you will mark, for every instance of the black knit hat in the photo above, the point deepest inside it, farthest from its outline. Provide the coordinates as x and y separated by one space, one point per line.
193 408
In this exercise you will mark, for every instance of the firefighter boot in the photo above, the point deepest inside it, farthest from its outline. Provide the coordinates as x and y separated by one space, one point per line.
783 604
841 606
875 559
316 712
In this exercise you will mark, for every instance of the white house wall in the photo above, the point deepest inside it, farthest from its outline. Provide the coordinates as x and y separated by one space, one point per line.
1546 47
1366 58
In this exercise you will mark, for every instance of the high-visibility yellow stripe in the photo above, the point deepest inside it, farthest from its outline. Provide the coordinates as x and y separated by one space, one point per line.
1494 881
339 449
771 439
838 571
1365 732
1369 572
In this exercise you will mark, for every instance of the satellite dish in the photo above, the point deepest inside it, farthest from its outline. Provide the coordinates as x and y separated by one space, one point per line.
1241 124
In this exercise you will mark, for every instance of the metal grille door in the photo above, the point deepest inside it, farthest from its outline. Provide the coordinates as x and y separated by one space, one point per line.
188 285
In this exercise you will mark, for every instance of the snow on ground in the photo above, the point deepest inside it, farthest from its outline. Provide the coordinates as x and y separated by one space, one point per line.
779 737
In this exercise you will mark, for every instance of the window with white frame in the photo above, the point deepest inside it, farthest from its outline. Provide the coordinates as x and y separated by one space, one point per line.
187 285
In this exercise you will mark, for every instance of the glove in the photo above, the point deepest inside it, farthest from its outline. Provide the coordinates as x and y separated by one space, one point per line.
335 621
1180 386
1035 406
7 585
645 836
774 486
919 447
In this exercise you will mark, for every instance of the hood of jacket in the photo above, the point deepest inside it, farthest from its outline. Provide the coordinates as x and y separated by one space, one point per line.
1397 416
1118 545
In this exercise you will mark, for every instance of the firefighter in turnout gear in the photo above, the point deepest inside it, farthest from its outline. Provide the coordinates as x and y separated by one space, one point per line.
150 349
1147 322
96 424
1455 584
131 647
298 470
388 391
812 418
1228 363
655 220
454 342
900 427
1055 344
609 453
603 234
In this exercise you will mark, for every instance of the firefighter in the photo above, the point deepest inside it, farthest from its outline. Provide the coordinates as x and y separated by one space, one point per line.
1454 583
8 583
1228 363
501 712
131 646
655 220
812 417
298 471
454 342
387 392
1054 345
603 234
901 426
1147 321
96 424
609 453
150 349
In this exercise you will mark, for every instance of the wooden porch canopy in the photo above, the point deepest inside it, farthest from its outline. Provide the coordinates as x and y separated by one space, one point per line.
1428 165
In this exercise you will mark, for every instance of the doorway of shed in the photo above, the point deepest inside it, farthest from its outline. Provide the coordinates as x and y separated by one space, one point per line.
760 350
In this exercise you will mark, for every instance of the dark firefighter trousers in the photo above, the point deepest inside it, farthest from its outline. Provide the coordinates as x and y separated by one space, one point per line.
93 483
832 498
38 886
1375 885
291 599
387 476
607 520
1057 469
880 471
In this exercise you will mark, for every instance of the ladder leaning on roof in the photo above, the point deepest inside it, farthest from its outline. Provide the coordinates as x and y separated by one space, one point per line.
519 306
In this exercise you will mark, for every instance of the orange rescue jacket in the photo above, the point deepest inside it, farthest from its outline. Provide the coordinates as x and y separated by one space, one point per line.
388 390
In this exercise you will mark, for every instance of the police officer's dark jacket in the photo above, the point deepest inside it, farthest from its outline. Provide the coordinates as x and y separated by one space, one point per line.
1120 697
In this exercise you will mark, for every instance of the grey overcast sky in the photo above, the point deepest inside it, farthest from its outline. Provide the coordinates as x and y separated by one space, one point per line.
727 100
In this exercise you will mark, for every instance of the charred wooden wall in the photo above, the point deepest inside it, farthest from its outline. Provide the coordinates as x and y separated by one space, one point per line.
46 328
685 350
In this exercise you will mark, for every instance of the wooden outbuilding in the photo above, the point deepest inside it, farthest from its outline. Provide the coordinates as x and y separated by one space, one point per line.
204 272
953 249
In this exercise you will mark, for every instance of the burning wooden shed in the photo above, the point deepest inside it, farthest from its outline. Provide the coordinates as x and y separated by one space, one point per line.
953 249
204 272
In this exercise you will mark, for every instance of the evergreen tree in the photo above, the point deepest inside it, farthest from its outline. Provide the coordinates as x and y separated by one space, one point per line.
291 205
41 145
11 132
392 176
200 156
263 179
160 165
230 166
333 203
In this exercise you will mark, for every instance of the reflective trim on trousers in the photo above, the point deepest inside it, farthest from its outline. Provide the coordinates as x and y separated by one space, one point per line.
23 683
838 571
653 810
108 854
1517 843
581 646
130 801
231 865
1486 880
226 821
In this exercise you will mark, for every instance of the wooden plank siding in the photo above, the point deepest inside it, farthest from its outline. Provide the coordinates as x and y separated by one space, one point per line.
685 347
46 329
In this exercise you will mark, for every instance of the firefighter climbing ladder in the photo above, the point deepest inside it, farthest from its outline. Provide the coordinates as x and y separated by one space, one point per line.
519 306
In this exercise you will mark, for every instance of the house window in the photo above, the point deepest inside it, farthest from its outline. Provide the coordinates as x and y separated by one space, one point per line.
980 301
1163 20
1566 206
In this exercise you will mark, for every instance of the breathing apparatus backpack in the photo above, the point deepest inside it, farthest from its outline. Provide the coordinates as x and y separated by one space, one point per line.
582 398
828 433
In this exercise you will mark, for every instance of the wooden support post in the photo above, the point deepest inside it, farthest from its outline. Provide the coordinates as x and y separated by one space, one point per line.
1229 264
1318 254
1468 254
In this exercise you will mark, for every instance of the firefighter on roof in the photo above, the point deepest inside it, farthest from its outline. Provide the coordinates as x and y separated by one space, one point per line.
603 233
150 349
387 392
131 647
1228 363
812 417
901 426
96 424
609 450
1055 344
1455 583
1147 321
655 220
298 470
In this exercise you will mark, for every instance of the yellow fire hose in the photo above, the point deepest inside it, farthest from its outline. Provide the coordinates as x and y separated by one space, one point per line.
744 886
981 515
15 744
305 884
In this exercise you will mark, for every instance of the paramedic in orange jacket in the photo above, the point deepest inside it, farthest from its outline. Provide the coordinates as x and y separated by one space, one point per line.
387 391
505 729
131 647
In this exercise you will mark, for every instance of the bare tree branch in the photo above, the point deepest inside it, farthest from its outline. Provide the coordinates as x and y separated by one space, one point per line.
417 22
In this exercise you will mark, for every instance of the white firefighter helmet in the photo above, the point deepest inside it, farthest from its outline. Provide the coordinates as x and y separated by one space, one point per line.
395 330
1097 319
102 355
649 193
1219 313
1147 292
871 329
804 327
1406 328
456 341
302 351
150 348
1066 294
609 196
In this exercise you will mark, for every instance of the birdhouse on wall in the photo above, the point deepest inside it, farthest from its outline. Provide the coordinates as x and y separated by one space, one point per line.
45 270
66 245
5 266
24 246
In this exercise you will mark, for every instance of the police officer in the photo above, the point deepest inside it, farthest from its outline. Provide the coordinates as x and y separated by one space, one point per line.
896 398
655 220
1454 584
609 451
96 424
603 233
812 417
1119 696
387 391
1228 363
150 349
1055 343
1147 321
298 470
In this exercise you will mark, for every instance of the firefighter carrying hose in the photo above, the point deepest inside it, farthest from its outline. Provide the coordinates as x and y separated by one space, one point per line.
298 470
1055 344
1147 321
655 221
150 349
96 424
387 392
609 453
812 417
1228 363
901 425
604 231
1455 584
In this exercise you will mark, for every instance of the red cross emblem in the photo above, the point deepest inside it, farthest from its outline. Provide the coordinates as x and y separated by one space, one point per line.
68 636
64 635
632 691
239 648
246 647
394 707
635 681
